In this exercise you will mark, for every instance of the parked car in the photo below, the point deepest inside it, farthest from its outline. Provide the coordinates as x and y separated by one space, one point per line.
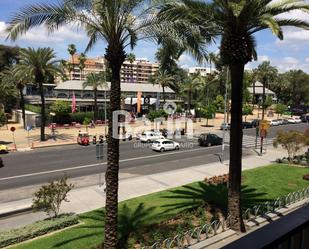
274 122
150 136
83 138
225 126
305 118
209 140
255 122
165 144
1 163
246 125
294 120
3 149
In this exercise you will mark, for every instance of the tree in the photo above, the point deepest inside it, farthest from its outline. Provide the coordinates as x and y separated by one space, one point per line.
247 110
192 84
163 79
8 56
95 81
38 63
120 24
291 140
72 50
236 22
131 58
2 118
267 74
280 109
219 103
19 79
8 92
82 59
208 112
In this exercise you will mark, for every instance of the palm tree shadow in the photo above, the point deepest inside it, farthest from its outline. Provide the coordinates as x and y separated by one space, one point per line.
192 197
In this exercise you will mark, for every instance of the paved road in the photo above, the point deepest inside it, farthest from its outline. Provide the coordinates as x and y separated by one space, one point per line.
39 166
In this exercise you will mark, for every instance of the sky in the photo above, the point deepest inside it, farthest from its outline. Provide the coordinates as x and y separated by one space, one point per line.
291 53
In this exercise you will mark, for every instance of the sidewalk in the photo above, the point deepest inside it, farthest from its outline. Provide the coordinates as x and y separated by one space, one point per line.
89 198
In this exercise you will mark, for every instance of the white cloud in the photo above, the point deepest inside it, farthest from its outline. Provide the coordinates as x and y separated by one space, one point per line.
41 36
185 59
307 59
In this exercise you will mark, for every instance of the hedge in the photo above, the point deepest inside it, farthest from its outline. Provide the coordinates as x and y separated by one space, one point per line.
36 229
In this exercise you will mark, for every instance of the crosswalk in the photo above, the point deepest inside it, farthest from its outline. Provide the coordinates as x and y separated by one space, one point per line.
249 141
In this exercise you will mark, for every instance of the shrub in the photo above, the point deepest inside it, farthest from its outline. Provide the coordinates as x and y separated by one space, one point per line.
215 180
2 118
33 108
49 197
152 115
306 177
36 229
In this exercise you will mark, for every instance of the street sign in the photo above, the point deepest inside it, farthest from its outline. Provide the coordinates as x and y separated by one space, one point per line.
264 125
13 129
99 151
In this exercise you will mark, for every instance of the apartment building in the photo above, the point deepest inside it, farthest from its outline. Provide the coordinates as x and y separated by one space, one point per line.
95 65
202 70
139 71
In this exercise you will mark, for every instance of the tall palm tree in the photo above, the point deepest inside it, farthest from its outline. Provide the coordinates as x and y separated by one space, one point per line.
82 59
38 63
212 59
95 81
120 24
236 23
163 79
72 50
266 74
19 79
7 90
191 85
131 58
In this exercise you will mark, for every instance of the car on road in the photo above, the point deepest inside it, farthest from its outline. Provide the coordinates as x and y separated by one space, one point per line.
83 138
283 121
255 122
225 126
209 139
305 118
3 149
274 122
151 136
294 120
165 144
246 125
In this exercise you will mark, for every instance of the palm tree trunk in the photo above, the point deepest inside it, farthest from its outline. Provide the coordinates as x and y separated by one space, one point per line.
253 93
95 116
43 117
189 102
234 189
163 89
115 55
22 106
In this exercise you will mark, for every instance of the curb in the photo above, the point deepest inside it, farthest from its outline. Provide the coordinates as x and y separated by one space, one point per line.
15 212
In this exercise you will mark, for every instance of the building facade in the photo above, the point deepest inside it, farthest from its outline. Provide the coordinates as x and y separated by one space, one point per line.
201 70
139 71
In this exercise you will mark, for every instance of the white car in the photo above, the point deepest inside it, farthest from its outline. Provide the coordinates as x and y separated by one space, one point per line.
274 122
165 144
294 120
150 136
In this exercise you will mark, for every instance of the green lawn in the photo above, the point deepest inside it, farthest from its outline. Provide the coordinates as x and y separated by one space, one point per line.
273 181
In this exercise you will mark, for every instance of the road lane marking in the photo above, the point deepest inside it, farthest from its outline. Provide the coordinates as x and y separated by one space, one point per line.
100 164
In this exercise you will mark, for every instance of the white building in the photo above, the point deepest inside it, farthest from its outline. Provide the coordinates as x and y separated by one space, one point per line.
202 70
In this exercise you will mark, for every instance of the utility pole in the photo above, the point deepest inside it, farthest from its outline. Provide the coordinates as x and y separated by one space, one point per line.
263 113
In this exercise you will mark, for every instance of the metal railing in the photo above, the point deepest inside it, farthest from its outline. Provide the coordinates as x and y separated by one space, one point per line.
203 232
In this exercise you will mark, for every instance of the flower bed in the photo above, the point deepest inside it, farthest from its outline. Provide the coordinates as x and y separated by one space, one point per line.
302 160
36 229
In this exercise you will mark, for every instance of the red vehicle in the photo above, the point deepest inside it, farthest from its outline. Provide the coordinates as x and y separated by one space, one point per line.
83 138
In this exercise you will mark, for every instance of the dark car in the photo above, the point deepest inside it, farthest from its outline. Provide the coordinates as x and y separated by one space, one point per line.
304 118
255 122
246 125
209 140
1 163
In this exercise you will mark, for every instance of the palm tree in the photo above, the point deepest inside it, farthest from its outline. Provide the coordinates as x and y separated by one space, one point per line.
20 80
191 85
38 63
212 59
82 58
266 74
95 81
72 50
120 24
163 79
236 22
131 58
7 91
